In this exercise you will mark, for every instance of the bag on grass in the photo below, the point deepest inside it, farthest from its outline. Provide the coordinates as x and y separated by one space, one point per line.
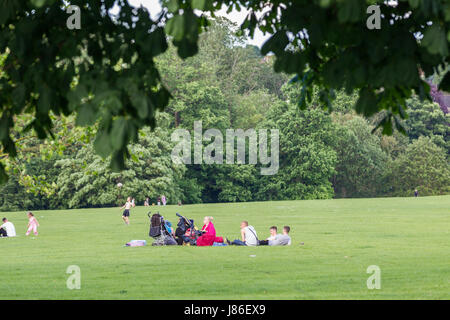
136 243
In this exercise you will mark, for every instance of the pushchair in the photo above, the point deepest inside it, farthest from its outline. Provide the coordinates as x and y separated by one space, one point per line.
186 233
159 232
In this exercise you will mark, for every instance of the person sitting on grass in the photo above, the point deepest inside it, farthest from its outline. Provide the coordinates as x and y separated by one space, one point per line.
7 229
248 236
208 236
278 239
273 233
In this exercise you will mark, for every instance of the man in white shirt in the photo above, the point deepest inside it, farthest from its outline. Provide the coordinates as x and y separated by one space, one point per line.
7 229
248 236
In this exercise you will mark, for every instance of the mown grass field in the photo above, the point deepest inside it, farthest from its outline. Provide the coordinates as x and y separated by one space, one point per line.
407 238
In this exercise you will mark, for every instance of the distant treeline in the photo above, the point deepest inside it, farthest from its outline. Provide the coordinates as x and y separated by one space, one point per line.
229 85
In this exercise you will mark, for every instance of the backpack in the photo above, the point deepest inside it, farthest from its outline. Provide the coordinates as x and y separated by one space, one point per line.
156 222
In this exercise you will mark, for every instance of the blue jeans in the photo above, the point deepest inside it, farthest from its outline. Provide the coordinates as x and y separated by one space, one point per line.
238 242
219 244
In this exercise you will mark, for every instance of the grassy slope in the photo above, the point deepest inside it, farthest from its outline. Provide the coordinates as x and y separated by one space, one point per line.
407 238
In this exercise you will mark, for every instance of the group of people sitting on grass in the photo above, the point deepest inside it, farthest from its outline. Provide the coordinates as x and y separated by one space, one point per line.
7 229
249 236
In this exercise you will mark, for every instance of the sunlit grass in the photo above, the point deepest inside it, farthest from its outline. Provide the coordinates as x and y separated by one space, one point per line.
407 238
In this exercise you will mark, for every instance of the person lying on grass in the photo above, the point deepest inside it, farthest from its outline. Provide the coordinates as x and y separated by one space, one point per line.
277 239
208 236
248 236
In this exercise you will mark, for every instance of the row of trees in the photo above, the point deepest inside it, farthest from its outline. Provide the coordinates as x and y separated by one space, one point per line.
230 85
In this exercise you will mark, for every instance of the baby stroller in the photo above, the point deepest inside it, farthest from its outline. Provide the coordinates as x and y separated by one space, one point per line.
186 233
158 231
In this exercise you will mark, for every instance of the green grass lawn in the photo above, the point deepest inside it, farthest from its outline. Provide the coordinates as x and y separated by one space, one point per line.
407 238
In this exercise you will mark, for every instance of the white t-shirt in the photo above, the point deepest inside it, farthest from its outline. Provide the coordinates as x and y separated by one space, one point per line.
9 227
250 236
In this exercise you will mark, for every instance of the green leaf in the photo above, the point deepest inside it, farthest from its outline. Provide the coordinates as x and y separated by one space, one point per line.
118 160
387 127
38 3
325 3
367 103
134 158
18 95
445 83
44 102
350 10
139 101
447 12
414 3
3 176
157 42
102 144
86 115
5 122
118 133
186 48
175 27
114 104
76 95
399 125
162 98
202 4
276 44
172 5
435 40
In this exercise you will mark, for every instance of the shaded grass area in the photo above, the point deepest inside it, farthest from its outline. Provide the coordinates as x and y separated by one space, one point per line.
407 238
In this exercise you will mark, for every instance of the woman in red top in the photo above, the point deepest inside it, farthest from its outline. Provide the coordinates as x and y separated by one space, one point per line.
209 234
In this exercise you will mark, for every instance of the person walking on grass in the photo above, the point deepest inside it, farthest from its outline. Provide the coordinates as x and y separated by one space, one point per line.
248 236
33 224
126 213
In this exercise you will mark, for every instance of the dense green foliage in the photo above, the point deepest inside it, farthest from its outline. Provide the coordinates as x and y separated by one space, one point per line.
427 119
422 164
105 71
229 85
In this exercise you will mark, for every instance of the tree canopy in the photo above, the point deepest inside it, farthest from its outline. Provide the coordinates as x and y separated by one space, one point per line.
105 72
229 85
